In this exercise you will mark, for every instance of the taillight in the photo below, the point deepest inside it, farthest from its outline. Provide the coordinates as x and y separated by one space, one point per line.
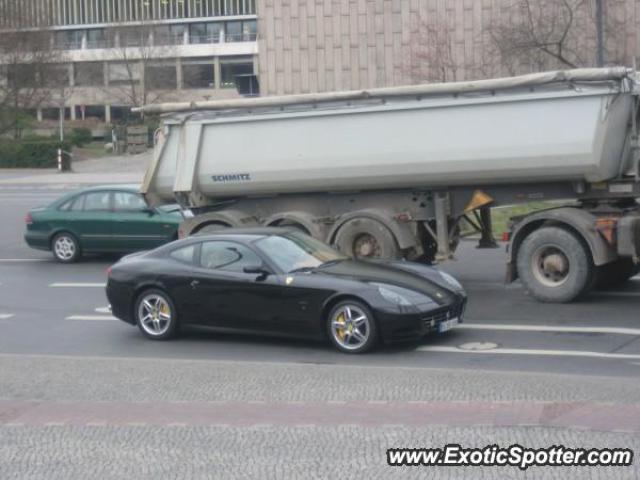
108 270
505 236
180 233
28 219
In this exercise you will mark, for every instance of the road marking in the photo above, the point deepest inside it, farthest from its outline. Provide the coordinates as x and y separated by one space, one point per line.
12 260
91 317
78 285
106 310
549 328
526 351
5 316
615 294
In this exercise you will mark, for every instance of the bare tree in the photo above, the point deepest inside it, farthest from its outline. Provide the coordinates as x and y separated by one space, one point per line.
145 63
544 34
29 66
431 56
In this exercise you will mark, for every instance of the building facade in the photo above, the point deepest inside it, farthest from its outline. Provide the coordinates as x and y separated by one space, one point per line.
119 53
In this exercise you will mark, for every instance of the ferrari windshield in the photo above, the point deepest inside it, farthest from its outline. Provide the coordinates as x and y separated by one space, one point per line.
296 251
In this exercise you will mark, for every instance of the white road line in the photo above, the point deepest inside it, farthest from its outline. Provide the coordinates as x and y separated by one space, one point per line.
615 294
525 351
91 317
549 328
78 285
12 260
5 316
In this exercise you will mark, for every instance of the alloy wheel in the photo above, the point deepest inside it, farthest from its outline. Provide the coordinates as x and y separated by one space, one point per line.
350 327
65 247
154 314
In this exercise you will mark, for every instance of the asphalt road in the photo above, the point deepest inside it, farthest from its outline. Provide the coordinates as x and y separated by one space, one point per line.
73 379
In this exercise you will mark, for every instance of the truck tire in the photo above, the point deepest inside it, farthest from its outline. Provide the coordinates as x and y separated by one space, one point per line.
366 238
615 273
211 227
555 265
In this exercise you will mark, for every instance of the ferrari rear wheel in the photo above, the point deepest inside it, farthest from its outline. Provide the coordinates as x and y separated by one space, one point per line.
351 327
155 315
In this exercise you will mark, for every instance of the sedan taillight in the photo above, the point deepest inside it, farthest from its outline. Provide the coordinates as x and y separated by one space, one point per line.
108 271
28 219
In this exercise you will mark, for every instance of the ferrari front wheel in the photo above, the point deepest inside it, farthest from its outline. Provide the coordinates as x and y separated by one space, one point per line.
351 327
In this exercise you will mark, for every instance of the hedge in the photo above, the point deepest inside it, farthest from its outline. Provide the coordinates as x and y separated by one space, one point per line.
81 136
31 153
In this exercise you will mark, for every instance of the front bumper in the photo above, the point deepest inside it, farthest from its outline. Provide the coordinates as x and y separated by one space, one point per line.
397 327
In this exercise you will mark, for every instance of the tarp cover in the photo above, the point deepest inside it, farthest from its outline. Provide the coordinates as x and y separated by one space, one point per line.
582 75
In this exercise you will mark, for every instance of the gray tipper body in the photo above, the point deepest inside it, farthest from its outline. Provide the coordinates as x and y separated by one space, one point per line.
555 126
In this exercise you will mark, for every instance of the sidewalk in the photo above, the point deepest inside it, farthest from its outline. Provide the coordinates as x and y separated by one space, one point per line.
114 169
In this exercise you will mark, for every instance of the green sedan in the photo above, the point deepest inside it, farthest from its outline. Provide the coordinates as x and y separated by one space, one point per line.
99 220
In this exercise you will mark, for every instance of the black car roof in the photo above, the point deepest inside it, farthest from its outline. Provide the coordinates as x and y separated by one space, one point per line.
245 232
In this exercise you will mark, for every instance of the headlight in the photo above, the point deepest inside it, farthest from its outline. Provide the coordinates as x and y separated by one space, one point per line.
393 297
450 280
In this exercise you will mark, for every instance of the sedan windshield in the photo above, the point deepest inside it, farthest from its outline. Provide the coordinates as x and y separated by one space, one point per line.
297 251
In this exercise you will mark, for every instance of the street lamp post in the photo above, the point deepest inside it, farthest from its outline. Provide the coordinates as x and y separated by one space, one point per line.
600 33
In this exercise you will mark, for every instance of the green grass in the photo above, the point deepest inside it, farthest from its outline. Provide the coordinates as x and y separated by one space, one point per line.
500 216
92 150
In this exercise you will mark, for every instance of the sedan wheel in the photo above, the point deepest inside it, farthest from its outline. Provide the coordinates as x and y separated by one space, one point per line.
155 315
65 248
352 328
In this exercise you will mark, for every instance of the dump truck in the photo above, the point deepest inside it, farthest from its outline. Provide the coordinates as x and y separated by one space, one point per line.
406 172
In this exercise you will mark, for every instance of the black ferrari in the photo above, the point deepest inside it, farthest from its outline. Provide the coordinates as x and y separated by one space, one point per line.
281 282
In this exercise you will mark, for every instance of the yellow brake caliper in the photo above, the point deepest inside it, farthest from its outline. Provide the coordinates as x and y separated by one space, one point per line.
341 330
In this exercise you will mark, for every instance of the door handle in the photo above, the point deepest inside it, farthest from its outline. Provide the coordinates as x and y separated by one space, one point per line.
194 283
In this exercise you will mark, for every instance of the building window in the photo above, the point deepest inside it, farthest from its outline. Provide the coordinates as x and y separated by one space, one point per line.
97 38
55 76
198 73
238 31
249 31
68 39
95 113
206 32
122 73
89 74
169 34
231 67
161 76
133 37
22 75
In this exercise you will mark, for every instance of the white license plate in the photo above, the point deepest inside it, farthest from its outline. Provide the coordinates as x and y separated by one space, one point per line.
448 325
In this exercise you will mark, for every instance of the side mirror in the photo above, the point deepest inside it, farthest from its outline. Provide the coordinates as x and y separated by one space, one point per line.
256 269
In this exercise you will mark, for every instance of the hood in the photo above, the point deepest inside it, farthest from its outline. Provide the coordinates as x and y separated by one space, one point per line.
420 279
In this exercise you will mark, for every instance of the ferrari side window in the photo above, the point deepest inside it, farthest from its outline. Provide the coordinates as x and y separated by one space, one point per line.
184 254
228 256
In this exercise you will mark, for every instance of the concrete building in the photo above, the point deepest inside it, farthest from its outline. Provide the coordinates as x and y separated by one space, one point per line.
200 49
176 49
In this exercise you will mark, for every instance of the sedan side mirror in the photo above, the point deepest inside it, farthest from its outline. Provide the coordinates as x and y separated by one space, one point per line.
256 269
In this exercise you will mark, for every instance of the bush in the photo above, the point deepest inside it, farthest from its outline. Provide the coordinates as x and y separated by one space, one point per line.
81 136
31 154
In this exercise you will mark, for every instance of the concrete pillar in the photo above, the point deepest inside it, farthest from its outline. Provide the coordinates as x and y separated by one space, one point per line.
72 110
179 79
105 71
72 78
216 72
107 113
39 114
